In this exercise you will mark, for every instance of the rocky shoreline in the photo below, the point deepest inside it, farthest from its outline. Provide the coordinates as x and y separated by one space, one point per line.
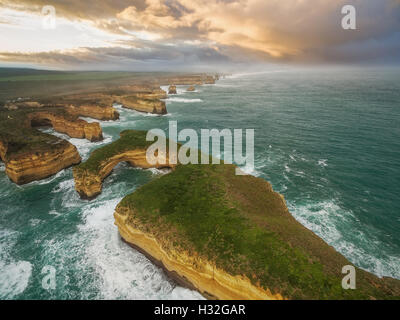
29 155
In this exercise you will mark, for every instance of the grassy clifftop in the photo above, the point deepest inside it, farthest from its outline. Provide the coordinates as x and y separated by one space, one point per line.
129 140
239 224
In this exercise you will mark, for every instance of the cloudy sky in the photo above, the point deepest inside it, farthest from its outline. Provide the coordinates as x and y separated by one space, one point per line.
175 34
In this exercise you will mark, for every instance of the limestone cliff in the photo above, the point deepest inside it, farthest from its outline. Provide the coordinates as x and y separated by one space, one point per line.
94 111
75 128
30 154
131 148
143 105
188 269
172 89
142 91
28 167
89 184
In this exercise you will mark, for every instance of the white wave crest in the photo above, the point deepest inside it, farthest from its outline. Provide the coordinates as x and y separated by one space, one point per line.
183 100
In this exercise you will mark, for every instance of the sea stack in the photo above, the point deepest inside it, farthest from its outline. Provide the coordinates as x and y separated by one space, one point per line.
172 89
191 89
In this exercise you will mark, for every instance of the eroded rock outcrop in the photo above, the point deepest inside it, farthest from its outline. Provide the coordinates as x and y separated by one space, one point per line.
143 105
191 89
32 166
30 154
94 111
73 127
172 89
130 148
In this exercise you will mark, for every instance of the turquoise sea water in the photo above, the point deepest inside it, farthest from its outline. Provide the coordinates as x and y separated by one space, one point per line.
327 139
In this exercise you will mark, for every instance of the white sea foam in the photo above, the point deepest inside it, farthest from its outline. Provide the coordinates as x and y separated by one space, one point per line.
15 275
340 229
123 272
2 167
83 145
323 162
35 222
156 171
183 100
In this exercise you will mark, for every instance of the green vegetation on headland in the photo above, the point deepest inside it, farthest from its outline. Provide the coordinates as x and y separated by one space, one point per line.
241 225
129 140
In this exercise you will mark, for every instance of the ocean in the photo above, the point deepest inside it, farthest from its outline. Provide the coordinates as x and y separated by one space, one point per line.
328 139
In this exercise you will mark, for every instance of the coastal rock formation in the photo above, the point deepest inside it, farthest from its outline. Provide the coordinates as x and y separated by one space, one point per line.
143 92
232 237
209 80
143 105
172 89
131 148
94 111
75 128
28 167
191 89
15 105
188 270
30 154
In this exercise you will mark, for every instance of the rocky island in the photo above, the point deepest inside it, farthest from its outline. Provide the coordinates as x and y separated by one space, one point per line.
227 236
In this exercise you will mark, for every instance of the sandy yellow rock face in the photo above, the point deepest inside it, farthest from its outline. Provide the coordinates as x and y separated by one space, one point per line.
89 184
94 111
143 105
74 128
172 89
40 165
201 274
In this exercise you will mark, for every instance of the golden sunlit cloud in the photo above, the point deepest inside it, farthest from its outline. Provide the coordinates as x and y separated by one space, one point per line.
183 30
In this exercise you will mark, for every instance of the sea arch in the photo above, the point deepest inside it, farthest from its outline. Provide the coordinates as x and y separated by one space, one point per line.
130 148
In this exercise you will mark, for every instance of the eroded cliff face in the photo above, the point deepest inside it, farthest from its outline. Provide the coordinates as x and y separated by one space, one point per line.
144 92
143 105
195 271
75 128
94 111
3 150
89 183
33 166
